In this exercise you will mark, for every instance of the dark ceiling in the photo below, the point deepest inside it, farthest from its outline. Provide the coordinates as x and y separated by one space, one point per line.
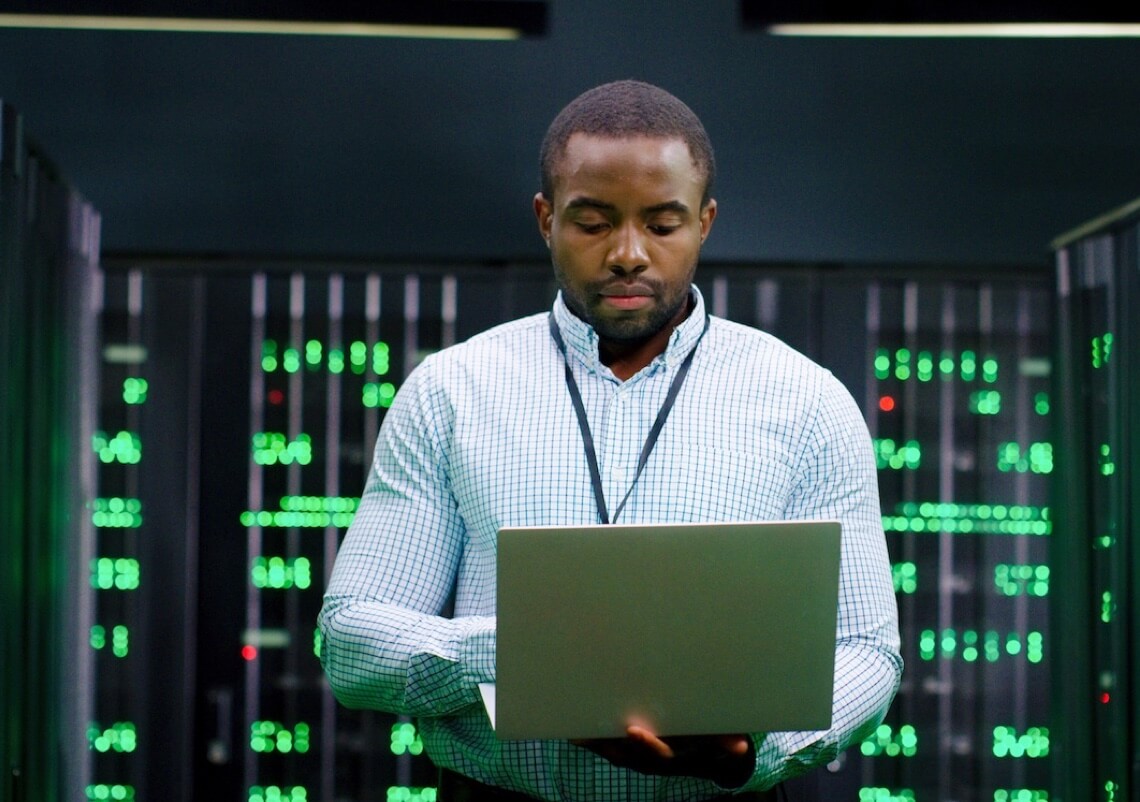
887 150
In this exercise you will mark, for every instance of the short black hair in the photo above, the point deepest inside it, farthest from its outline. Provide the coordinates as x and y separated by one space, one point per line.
622 109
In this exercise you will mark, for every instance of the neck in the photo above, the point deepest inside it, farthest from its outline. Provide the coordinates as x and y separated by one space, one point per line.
627 357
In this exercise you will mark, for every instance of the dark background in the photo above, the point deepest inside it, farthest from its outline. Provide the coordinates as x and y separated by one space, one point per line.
881 150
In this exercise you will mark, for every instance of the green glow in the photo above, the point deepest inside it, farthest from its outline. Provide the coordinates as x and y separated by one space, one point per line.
1038 458
276 793
279 573
103 792
1041 403
134 390
1020 795
925 366
115 512
380 358
1110 789
882 363
902 364
1022 580
378 394
985 402
905 577
885 741
319 503
1104 461
1033 743
876 794
314 354
1106 606
968 366
273 736
98 637
316 643
989 370
269 356
124 448
296 520
952 644
336 360
273 448
121 573
404 793
981 519
1101 349
291 360
889 454
946 364
405 739
119 737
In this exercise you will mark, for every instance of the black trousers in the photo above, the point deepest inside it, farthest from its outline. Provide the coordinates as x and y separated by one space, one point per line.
457 788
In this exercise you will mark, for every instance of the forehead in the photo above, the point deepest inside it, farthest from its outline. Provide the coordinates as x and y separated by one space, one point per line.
591 163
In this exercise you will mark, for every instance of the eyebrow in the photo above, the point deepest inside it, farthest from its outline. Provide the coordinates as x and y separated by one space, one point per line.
594 203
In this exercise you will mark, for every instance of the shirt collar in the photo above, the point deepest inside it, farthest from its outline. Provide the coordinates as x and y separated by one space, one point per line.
582 341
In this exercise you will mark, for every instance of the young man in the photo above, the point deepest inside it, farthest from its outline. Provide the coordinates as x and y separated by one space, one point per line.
542 421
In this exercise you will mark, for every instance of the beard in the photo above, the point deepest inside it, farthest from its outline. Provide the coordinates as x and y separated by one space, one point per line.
625 327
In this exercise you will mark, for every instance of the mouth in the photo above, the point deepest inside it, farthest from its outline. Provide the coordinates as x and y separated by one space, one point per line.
626 296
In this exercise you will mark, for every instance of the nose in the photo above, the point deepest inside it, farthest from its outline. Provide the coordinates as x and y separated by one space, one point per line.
628 253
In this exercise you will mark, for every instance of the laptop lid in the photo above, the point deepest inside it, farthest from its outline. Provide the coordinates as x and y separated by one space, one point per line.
686 629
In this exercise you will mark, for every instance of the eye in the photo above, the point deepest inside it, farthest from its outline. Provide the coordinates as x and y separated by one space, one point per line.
663 230
592 228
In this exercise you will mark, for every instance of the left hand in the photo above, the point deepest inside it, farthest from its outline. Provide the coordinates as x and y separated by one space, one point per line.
727 760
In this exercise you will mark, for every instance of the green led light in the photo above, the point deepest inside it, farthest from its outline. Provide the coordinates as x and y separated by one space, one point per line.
279 573
405 739
404 793
886 742
905 577
882 363
1110 789
120 573
102 792
336 360
877 794
119 737
274 448
277 793
1041 403
1104 461
1022 580
989 370
98 637
968 366
378 394
115 512
946 364
1106 606
1020 795
924 368
895 456
968 519
269 356
319 503
1101 349
296 520
134 390
273 736
902 364
990 649
1037 458
380 358
314 354
124 448
1033 743
985 402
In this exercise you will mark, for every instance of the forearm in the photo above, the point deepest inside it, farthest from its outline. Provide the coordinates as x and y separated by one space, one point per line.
383 657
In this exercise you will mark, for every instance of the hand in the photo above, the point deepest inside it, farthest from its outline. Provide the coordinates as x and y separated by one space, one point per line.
727 760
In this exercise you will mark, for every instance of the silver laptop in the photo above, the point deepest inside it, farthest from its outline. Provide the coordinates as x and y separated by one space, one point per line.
686 629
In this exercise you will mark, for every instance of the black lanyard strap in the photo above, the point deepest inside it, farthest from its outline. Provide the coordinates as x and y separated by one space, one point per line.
588 437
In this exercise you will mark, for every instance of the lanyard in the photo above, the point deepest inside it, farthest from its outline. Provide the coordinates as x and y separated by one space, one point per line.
588 438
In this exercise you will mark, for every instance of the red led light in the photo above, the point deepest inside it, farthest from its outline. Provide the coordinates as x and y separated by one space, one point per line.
276 397
886 403
1104 698
249 652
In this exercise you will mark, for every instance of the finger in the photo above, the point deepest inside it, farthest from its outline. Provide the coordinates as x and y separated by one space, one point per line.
735 744
650 741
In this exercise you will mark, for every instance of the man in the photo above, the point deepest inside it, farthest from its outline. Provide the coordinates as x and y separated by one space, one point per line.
543 420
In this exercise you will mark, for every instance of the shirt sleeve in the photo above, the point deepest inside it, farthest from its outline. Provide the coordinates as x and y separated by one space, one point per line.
384 643
838 480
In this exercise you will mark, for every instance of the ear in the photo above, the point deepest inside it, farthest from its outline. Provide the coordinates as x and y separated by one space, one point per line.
708 214
544 214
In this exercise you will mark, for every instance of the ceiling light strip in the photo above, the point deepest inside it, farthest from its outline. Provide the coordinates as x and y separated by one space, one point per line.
188 25
1038 30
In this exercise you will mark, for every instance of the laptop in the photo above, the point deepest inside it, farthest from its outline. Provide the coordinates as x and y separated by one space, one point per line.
686 629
